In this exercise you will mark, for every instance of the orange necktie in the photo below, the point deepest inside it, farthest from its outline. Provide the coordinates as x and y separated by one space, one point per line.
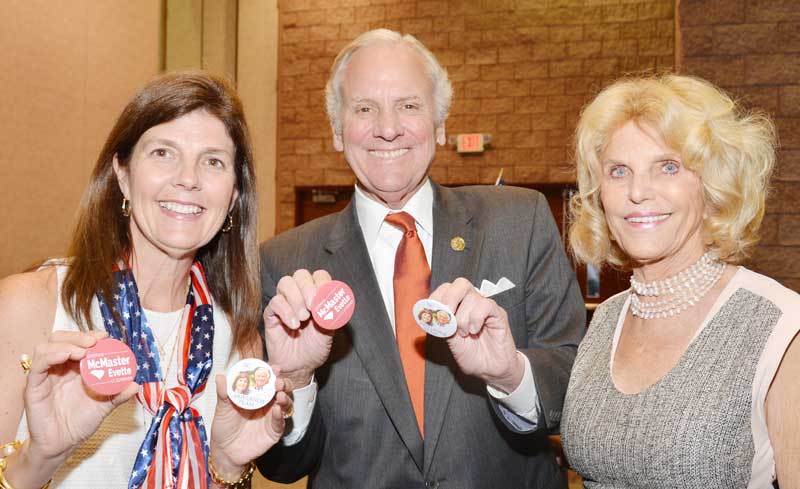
412 277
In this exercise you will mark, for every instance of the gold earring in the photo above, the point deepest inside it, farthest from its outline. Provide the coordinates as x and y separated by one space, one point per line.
228 223
126 207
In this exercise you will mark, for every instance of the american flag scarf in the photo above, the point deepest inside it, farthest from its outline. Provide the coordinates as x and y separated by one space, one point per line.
174 452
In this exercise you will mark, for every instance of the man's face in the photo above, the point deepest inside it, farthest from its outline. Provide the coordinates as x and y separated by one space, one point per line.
388 113
261 377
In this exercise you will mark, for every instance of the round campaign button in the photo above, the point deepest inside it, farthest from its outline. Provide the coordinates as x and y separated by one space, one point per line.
333 305
251 383
108 367
435 318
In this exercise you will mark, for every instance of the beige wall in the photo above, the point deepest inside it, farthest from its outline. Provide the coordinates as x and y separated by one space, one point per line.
257 75
66 70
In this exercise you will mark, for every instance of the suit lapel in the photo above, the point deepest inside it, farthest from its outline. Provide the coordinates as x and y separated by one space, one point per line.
370 329
450 220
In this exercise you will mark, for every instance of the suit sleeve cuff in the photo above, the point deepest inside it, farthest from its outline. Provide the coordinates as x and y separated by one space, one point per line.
304 400
524 400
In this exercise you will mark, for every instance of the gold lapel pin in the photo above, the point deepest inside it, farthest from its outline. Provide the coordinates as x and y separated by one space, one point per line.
458 244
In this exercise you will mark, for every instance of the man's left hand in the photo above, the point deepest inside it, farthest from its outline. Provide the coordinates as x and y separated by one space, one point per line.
482 345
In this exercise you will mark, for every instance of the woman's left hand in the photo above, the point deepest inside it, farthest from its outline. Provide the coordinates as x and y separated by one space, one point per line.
239 435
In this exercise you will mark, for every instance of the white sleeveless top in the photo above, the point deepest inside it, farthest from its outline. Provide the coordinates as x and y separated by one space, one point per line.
106 458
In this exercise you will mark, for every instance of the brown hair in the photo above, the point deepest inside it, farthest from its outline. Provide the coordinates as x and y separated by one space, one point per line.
425 311
245 376
102 234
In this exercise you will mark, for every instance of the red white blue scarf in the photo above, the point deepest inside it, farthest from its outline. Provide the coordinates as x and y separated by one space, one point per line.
174 452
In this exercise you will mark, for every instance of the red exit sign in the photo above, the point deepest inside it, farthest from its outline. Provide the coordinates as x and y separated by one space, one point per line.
470 143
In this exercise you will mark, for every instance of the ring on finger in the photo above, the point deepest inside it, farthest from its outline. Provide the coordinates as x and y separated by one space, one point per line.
289 412
25 361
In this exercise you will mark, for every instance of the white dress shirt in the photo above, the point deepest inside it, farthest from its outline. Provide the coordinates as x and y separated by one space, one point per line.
382 240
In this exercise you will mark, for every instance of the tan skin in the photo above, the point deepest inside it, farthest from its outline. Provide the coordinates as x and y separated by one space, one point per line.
783 418
186 164
641 174
34 289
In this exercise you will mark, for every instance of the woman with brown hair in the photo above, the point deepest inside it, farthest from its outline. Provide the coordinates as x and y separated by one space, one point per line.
241 384
163 258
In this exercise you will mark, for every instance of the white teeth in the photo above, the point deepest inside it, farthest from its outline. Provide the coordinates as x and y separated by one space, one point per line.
643 219
181 208
389 154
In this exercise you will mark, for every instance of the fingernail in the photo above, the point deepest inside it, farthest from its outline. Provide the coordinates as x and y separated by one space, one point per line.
295 323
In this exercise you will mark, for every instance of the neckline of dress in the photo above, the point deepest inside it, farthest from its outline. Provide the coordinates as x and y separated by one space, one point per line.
727 292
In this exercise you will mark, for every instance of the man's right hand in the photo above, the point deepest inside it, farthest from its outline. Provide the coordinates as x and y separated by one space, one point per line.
294 342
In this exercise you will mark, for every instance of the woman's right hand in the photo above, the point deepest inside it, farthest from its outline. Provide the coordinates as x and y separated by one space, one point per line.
61 411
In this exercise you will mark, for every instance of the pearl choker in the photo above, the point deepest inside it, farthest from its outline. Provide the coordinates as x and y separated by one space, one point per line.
669 297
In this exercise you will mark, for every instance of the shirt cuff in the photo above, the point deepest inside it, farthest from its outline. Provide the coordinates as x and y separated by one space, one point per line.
304 400
524 400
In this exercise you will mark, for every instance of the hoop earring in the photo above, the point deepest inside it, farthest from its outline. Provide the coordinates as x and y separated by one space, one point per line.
126 207
228 223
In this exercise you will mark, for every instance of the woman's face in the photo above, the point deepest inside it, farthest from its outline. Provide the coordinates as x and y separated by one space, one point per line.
241 384
653 204
181 184
442 317
426 317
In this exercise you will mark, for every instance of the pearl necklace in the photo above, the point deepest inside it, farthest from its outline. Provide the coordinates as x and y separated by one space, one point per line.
673 295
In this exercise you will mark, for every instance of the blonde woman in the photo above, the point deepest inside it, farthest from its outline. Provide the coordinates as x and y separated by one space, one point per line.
689 378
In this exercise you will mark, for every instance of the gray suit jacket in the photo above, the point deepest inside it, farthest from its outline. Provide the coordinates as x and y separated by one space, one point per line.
363 432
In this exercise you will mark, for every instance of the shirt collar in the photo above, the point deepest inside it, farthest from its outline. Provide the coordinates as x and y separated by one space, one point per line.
371 213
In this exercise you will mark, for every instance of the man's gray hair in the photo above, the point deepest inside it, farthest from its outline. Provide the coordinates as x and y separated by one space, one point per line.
442 89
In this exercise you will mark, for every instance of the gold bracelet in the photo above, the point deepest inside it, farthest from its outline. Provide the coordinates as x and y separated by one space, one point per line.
5 451
244 480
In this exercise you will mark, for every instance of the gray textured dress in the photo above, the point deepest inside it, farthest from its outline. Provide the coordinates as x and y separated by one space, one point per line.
703 423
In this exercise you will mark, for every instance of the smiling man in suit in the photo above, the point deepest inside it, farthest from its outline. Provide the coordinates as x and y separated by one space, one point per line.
378 403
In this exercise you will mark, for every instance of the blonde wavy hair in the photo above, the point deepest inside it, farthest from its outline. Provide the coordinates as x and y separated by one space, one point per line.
731 150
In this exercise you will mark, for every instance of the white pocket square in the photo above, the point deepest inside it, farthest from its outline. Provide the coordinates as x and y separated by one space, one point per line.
489 289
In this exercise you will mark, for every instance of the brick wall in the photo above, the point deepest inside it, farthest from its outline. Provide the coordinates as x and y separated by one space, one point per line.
521 70
752 48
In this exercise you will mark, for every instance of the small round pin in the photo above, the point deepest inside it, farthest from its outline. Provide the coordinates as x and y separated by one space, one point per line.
435 318
458 244
251 383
